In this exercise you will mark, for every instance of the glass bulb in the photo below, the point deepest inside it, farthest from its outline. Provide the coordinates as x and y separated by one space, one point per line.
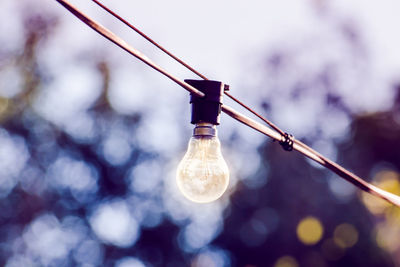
203 175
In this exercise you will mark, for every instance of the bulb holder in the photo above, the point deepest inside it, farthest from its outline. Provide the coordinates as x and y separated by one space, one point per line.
207 108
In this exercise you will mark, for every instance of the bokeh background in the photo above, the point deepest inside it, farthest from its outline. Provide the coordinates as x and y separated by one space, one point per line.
90 138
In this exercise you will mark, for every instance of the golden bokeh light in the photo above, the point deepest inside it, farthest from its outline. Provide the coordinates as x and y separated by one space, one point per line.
286 261
388 231
310 230
387 180
345 235
3 105
387 236
392 216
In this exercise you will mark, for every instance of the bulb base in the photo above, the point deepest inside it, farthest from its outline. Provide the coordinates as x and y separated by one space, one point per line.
205 129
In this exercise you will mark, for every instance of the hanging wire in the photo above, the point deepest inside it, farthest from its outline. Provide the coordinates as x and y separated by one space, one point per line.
296 144
273 126
149 39
121 43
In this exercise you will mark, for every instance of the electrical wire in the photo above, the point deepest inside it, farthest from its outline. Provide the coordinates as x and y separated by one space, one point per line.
273 126
149 39
121 43
297 145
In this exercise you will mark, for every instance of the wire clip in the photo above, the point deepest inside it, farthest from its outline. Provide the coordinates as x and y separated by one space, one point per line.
287 142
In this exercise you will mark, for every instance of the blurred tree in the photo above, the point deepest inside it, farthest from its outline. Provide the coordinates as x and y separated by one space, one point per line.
82 190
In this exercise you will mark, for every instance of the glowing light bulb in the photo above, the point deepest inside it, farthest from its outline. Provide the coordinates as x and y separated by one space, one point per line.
203 175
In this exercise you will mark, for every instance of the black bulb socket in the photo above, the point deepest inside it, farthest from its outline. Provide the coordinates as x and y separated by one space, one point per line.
207 108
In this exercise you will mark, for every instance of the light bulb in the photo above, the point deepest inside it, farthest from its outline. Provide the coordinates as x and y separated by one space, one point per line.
203 175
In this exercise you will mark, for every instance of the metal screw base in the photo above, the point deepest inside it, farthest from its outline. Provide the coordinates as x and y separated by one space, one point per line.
205 129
